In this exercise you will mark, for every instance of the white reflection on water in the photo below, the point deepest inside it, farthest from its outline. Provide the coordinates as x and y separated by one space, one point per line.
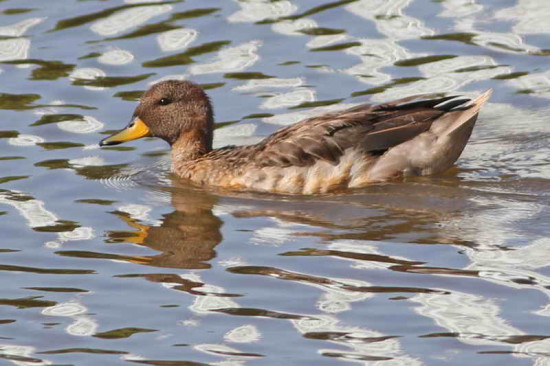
446 76
116 57
259 85
87 161
337 299
176 39
16 48
357 340
361 247
32 210
19 29
37 215
324 41
286 119
87 124
475 319
289 99
244 334
374 55
204 304
126 19
537 84
389 18
231 59
139 212
258 10
81 326
459 8
232 354
293 27
531 16
496 41
276 99
239 134
25 140
78 234
88 73
15 351
538 350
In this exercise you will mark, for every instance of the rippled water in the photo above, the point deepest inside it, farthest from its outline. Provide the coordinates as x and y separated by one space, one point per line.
106 260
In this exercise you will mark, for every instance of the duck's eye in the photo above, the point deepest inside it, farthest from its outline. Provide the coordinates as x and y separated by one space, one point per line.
164 101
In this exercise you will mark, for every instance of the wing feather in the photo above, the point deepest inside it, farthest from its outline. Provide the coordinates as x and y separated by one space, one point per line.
372 128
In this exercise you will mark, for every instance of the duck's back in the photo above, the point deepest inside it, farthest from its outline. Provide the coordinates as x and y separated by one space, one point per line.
348 149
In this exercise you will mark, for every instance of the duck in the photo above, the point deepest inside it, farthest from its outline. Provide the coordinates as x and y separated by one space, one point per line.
352 148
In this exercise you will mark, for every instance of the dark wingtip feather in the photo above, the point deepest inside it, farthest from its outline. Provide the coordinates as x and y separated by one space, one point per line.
407 104
451 105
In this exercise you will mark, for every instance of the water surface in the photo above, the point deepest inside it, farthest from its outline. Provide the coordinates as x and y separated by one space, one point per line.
108 260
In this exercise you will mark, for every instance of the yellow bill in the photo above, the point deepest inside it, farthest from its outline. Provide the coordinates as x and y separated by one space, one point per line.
135 130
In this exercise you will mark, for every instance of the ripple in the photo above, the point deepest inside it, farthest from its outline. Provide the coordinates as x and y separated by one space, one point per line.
126 19
389 19
286 119
21 355
364 344
19 29
531 16
537 84
290 99
137 211
176 39
262 84
375 54
258 10
229 134
436 84
460 8
119 182
206 303
243 334
80 233
65 309
230 59
537 349
474 318
88 73
25 140
223 350
88 124
325 41
294 27
116 57
87 161
83 326
501 42
14 49
169 77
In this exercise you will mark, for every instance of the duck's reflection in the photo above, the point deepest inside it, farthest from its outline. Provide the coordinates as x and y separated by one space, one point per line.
187 236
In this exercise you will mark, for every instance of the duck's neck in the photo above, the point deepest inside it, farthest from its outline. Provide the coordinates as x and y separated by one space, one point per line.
191 145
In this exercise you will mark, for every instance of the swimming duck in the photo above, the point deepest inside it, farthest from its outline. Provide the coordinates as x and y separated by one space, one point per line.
346 149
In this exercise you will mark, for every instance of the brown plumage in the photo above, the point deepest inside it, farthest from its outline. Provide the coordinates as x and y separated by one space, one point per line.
346 149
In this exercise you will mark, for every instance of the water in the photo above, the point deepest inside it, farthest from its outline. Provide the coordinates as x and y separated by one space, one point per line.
106 260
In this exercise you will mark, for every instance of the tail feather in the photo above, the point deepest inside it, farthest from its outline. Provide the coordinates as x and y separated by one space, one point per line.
461 118
433 151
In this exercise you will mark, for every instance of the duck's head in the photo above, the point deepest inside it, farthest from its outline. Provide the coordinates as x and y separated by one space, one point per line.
170 110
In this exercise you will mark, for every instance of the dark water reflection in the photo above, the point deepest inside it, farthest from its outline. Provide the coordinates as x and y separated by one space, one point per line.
107 260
